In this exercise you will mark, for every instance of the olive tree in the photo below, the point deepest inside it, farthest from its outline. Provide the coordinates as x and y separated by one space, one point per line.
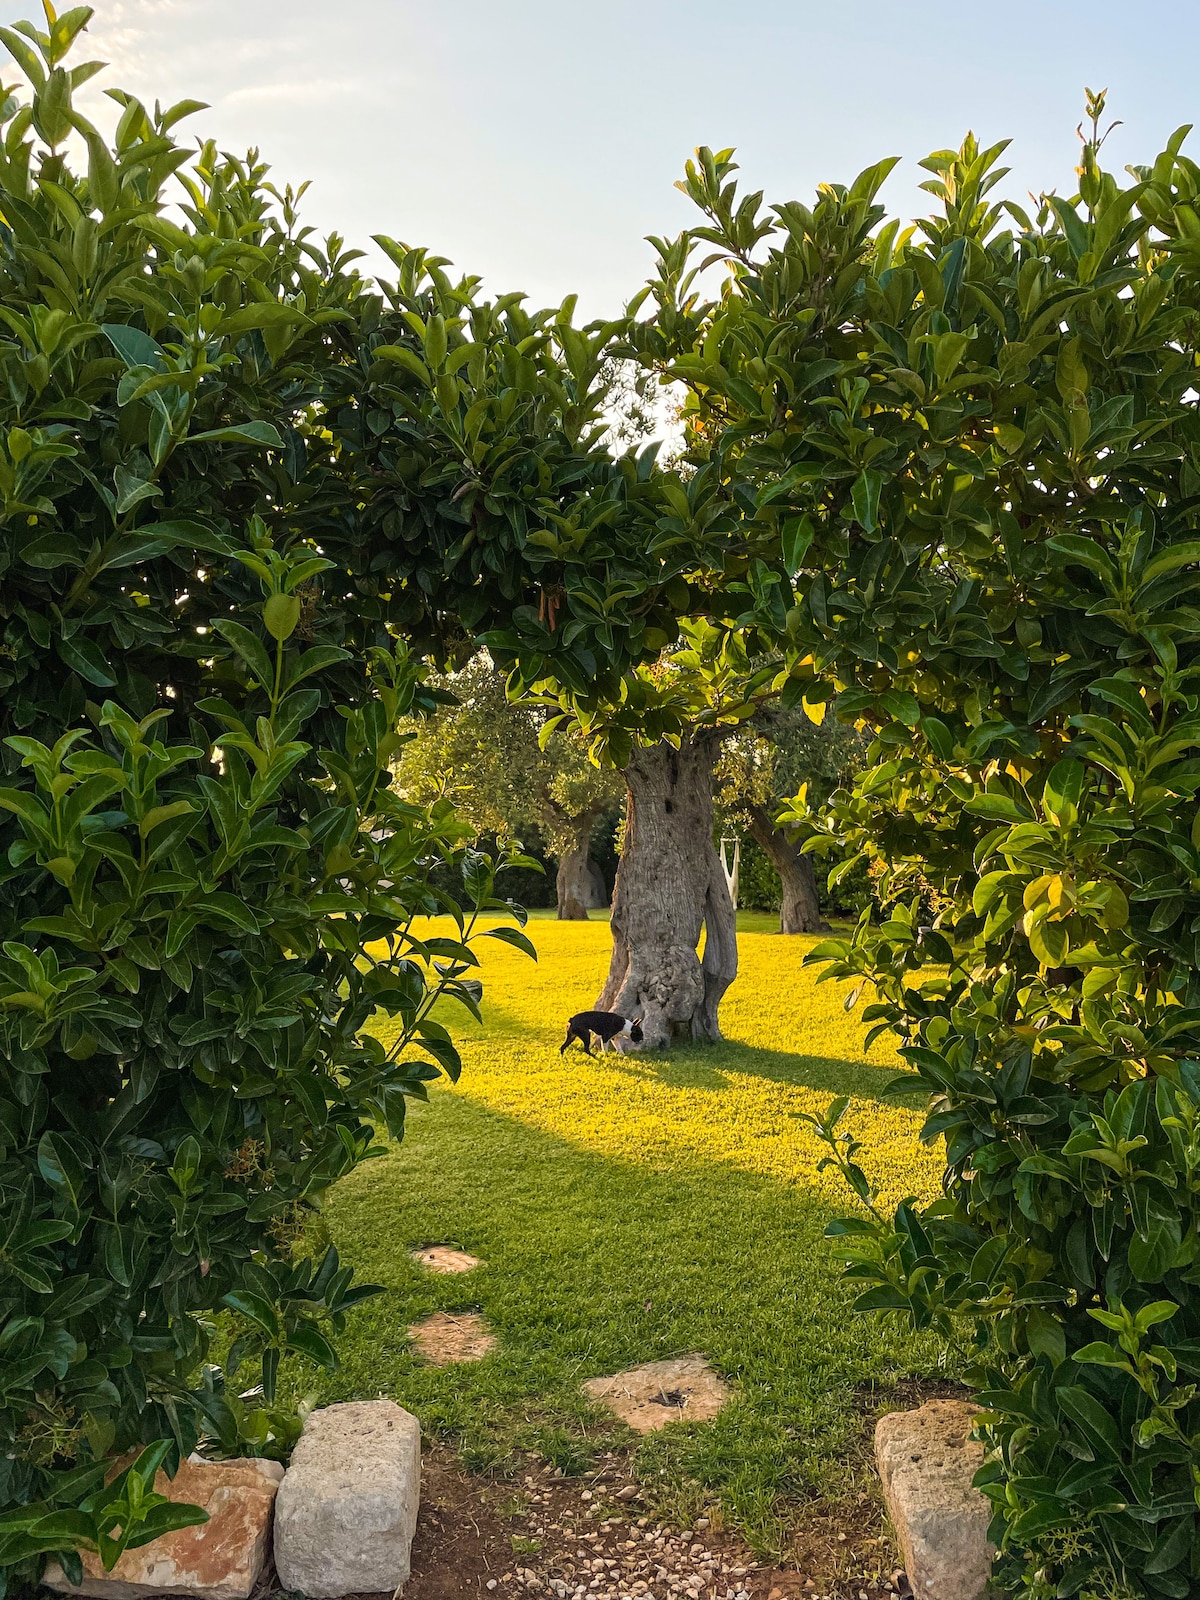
487 754
784 755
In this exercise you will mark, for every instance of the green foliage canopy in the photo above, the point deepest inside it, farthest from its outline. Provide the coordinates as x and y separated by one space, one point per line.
783 752
948 474
486 754
207 884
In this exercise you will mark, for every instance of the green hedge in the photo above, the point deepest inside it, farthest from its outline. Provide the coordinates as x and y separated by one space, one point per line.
967 457
207 885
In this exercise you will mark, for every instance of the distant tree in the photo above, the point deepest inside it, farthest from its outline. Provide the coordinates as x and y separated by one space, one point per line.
780 755
483 752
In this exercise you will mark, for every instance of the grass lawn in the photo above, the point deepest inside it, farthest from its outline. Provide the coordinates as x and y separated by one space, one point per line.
633 1208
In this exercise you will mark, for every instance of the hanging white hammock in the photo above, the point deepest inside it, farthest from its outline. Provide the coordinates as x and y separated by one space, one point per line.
731 863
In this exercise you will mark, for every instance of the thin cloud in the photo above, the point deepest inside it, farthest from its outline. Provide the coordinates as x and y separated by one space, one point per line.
305 89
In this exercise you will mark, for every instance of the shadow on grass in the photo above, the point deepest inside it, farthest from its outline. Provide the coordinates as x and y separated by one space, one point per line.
711 1067
595 1262
706 1066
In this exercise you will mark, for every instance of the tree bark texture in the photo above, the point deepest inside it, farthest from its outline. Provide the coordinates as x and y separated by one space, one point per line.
573 884
598 899
799 909
670 886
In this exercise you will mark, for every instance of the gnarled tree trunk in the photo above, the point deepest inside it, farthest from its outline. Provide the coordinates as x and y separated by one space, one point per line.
573 884
670 886
599 898
799 909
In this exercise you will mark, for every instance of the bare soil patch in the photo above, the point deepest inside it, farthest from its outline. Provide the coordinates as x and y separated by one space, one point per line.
444 1339
646 1398
444 1258
541 1536
545 1537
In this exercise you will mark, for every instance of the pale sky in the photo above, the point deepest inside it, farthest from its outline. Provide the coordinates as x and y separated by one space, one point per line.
537 141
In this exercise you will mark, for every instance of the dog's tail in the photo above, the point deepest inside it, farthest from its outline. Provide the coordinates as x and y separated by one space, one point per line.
571 1034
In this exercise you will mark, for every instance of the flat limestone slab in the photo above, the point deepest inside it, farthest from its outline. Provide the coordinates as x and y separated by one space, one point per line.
347 1507
443 1258
926 1460
443 1339
648 1397
221 1559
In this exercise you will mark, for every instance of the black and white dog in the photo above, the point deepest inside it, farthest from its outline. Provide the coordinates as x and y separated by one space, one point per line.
606 1025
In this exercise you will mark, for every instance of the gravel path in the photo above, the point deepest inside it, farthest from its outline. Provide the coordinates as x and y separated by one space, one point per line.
591 1544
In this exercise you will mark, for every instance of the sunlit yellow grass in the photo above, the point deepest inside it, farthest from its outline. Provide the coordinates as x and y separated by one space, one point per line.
790 1046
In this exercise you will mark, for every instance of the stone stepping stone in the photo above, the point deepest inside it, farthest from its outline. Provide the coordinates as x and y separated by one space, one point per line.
443 1339
648 1397
442 1258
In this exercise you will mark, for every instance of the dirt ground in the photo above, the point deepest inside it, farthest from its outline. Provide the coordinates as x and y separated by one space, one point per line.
543 1535
539 1535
